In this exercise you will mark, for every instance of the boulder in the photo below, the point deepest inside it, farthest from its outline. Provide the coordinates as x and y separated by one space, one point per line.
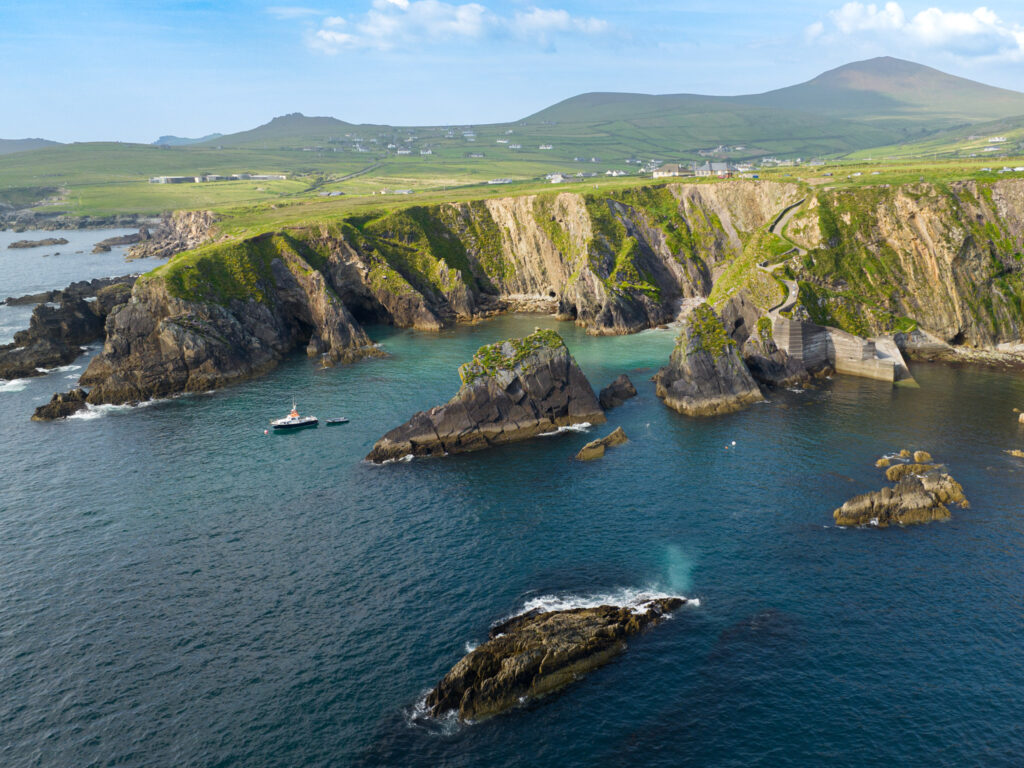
922 457
595 448
616 393
61 406
1015 452
511 390
537 653
705 375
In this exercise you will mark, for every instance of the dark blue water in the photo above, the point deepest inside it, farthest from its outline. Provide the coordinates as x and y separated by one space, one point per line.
180 589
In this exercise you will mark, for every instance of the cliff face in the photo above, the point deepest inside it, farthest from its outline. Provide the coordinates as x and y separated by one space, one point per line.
705 375
945 257
242 321
175 233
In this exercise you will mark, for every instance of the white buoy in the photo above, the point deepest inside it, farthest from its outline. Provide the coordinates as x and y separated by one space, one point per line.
734 442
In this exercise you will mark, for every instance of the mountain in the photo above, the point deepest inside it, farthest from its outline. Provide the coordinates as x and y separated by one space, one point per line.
887 89
180 141
10 146
286 130
880 101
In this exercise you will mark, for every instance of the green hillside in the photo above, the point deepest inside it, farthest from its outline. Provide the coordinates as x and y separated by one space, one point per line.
881 108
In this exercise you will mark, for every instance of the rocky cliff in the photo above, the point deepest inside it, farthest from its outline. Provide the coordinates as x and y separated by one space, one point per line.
511 391
946 257
176 232
61 322
219 316
705 375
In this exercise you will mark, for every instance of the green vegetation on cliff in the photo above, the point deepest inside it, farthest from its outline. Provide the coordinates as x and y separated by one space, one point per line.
706 332
506 355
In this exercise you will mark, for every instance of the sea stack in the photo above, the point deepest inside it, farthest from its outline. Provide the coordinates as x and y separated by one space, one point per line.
511 390
537 653
705 375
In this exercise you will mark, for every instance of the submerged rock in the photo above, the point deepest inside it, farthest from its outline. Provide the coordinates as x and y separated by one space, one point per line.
920 495
705 375
537 653
511 390
595 448
38 243
616 393
61 406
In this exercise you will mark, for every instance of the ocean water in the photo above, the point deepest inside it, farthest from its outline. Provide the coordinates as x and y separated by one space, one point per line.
179 588
34 270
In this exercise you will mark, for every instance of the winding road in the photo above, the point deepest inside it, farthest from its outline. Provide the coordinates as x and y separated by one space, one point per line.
792 289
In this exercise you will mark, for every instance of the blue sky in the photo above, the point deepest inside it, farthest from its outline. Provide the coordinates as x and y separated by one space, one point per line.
132 71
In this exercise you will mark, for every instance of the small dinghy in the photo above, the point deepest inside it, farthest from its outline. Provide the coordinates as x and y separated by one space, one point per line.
294 421
334 421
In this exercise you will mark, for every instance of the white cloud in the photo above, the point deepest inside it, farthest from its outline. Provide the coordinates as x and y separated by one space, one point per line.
291 12
389 24
980 33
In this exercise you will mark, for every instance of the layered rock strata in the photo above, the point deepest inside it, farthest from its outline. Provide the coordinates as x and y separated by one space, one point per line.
512 390
538 653
159 345
705 375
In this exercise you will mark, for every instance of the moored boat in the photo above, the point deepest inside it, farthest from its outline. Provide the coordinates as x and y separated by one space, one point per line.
294 421
336 420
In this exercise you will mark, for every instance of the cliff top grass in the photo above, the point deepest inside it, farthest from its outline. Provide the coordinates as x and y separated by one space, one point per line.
506 355
235 270
703 331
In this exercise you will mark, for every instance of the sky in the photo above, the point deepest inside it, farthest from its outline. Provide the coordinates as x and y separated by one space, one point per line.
132 71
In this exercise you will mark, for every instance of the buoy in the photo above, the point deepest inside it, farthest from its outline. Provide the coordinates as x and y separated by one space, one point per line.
734 442
266 432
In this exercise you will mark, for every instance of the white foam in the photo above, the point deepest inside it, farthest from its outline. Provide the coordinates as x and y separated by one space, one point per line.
446 725
470 647
91 411
71 376
14 385
60 369
583 426
627 597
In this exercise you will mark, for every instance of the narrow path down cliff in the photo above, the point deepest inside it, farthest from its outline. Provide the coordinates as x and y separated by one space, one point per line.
792 289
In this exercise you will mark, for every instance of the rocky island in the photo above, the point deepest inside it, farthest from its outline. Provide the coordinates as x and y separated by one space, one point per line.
511 390
920 495
537 653
705 375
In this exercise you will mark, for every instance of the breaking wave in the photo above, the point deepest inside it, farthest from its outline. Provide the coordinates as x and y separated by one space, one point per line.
14 385
583 426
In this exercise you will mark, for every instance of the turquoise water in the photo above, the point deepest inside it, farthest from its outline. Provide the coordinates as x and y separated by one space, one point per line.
181 589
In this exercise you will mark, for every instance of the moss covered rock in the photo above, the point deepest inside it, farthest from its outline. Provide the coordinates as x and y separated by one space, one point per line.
705 375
